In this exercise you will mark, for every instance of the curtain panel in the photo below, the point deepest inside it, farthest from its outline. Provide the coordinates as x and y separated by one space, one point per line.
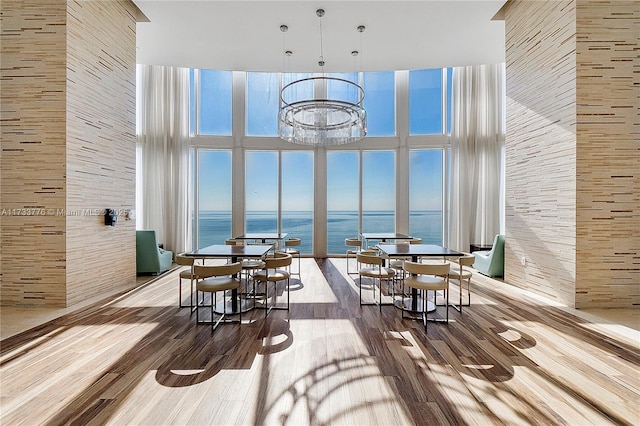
477 147
163 142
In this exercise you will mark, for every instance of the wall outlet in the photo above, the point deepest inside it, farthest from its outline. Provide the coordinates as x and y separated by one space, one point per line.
523 260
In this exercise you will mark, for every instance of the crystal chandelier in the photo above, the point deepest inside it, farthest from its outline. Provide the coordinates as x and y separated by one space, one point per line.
320 120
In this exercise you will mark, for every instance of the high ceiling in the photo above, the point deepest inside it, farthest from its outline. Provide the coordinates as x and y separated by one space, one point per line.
245 35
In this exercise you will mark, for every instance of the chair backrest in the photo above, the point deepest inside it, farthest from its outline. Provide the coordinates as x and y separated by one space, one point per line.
292 242
183 260
279 260
498 244
415 240
206 271
438 269
369 259
147 238
231 242
353 242
497 256
147 251
466 260
497 250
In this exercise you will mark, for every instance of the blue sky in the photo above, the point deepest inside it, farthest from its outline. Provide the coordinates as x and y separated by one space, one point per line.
261 175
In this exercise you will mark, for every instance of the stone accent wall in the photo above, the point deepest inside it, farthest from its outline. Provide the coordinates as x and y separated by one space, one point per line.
33 172
68 149
572 151
101 169
540 180
608 154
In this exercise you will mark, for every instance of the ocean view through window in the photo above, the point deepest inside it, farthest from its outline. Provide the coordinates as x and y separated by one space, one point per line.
249 181
215 226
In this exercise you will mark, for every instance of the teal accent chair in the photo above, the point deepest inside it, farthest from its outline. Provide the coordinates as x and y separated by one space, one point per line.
491 262
151 259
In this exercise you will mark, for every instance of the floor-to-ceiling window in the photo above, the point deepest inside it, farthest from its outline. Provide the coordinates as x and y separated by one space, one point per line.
211 167
271 184
429 123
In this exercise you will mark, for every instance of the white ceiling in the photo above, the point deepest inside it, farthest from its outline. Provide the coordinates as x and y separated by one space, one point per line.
245 35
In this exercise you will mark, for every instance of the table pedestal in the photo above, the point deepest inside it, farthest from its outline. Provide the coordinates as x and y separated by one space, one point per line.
228 304
406 304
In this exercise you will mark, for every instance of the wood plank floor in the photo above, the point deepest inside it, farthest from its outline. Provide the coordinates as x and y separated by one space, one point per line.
138 359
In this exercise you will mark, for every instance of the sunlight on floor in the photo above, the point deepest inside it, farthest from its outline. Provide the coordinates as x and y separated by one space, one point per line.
340 390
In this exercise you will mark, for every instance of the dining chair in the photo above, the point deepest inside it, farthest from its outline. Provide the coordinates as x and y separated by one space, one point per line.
186 274
248 264
291 246
249 268
274 271
426 277
461 275
356 245
398 263
232 242
214 279
374 270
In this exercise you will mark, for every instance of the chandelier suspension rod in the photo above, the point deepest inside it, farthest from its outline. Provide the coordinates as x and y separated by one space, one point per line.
320 14
331 118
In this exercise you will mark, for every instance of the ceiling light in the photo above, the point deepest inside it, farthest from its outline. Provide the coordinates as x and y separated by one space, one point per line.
319 120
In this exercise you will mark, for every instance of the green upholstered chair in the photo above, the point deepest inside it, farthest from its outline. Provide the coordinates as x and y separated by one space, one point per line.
149 257
491 262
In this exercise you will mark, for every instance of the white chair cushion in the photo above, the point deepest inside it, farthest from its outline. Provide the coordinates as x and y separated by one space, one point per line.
377 272
426 282
456 274
397 264
252 264
217 284
274 275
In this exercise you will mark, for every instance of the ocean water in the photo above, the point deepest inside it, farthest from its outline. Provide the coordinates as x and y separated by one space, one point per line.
215 227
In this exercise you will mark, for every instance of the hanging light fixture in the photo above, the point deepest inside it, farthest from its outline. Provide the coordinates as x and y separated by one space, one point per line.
320 120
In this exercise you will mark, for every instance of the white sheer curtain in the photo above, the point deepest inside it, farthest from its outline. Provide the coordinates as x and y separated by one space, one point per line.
163 142
477 141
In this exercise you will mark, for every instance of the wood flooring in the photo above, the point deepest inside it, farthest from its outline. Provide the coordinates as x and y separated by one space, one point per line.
140 360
